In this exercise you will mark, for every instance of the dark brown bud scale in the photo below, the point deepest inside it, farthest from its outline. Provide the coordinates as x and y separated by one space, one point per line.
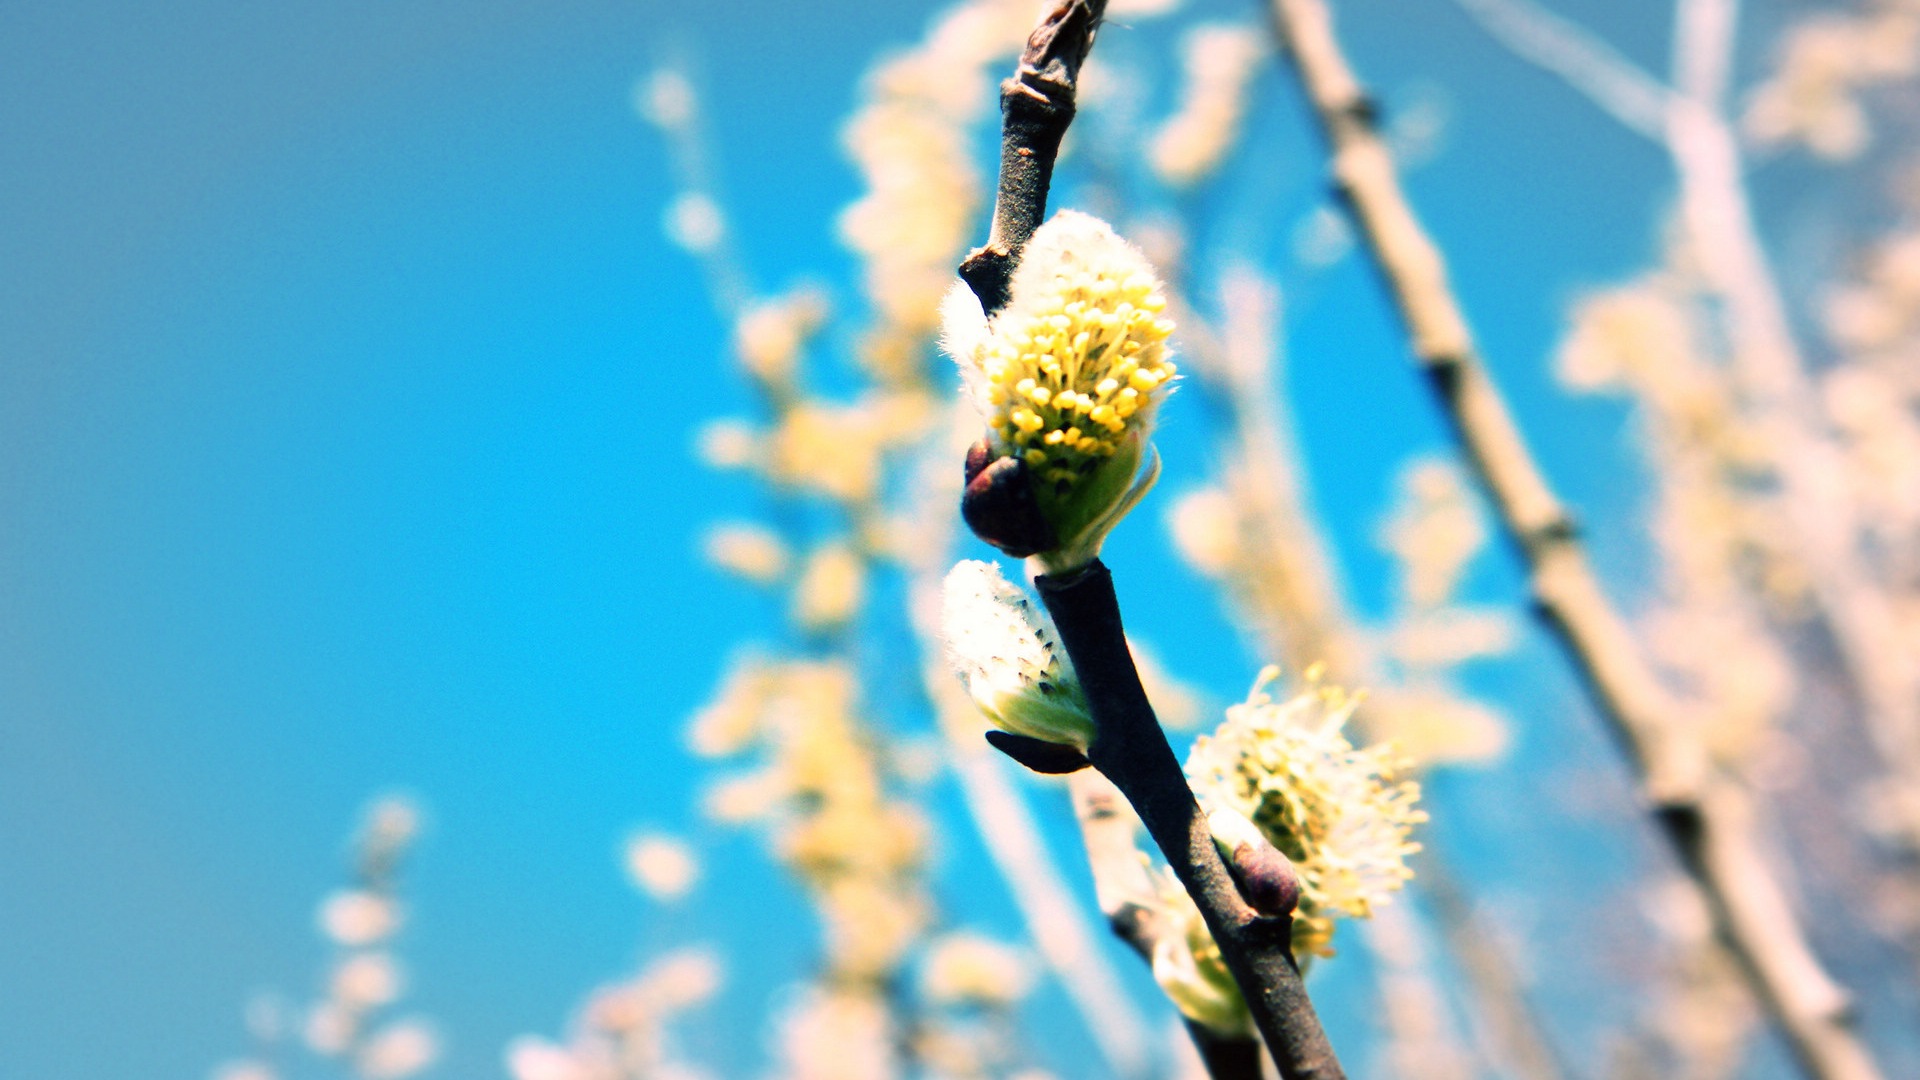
1266 878
1048 758
999 504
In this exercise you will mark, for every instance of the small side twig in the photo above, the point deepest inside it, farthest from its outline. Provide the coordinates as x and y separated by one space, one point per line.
1125 892
1130 749
1067 943
1036 105
1702 812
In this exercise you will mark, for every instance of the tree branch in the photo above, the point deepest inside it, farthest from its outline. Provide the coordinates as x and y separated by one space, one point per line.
1701 812
1690 122
1036 105
1130 749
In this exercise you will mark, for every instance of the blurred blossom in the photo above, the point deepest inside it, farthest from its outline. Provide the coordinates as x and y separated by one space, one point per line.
754 552
666 99
1206 530
1435 727
964 968
245 1070
330 1029
739 799
1625 335
661 866
840 1034
831 589
1322 238
1437 530
530 1057
871 920
398 1050
1219 61
682 978
1448 636
1881 307
911 144
392 823
694 222
1813 96
770 335
727 444
622 1032
366 980
832 449
729 723
1879 425
356 917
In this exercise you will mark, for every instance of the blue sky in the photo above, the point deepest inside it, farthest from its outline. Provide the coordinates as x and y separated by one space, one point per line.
346 391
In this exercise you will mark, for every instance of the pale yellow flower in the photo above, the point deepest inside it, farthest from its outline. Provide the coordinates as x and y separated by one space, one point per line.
1068 375
1338 812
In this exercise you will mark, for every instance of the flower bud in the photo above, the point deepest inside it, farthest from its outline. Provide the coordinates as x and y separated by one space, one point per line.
1265 877
999 504
1067 376
1009 657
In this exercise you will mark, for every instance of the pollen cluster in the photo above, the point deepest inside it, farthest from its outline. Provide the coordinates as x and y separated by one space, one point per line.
1078 358
1340 813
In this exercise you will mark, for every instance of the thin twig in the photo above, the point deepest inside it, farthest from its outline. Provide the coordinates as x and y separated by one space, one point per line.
1609 80
1036 105
1692 126
1063 939
1130 749
1126 895
1512 1027
1702 813
1784 399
